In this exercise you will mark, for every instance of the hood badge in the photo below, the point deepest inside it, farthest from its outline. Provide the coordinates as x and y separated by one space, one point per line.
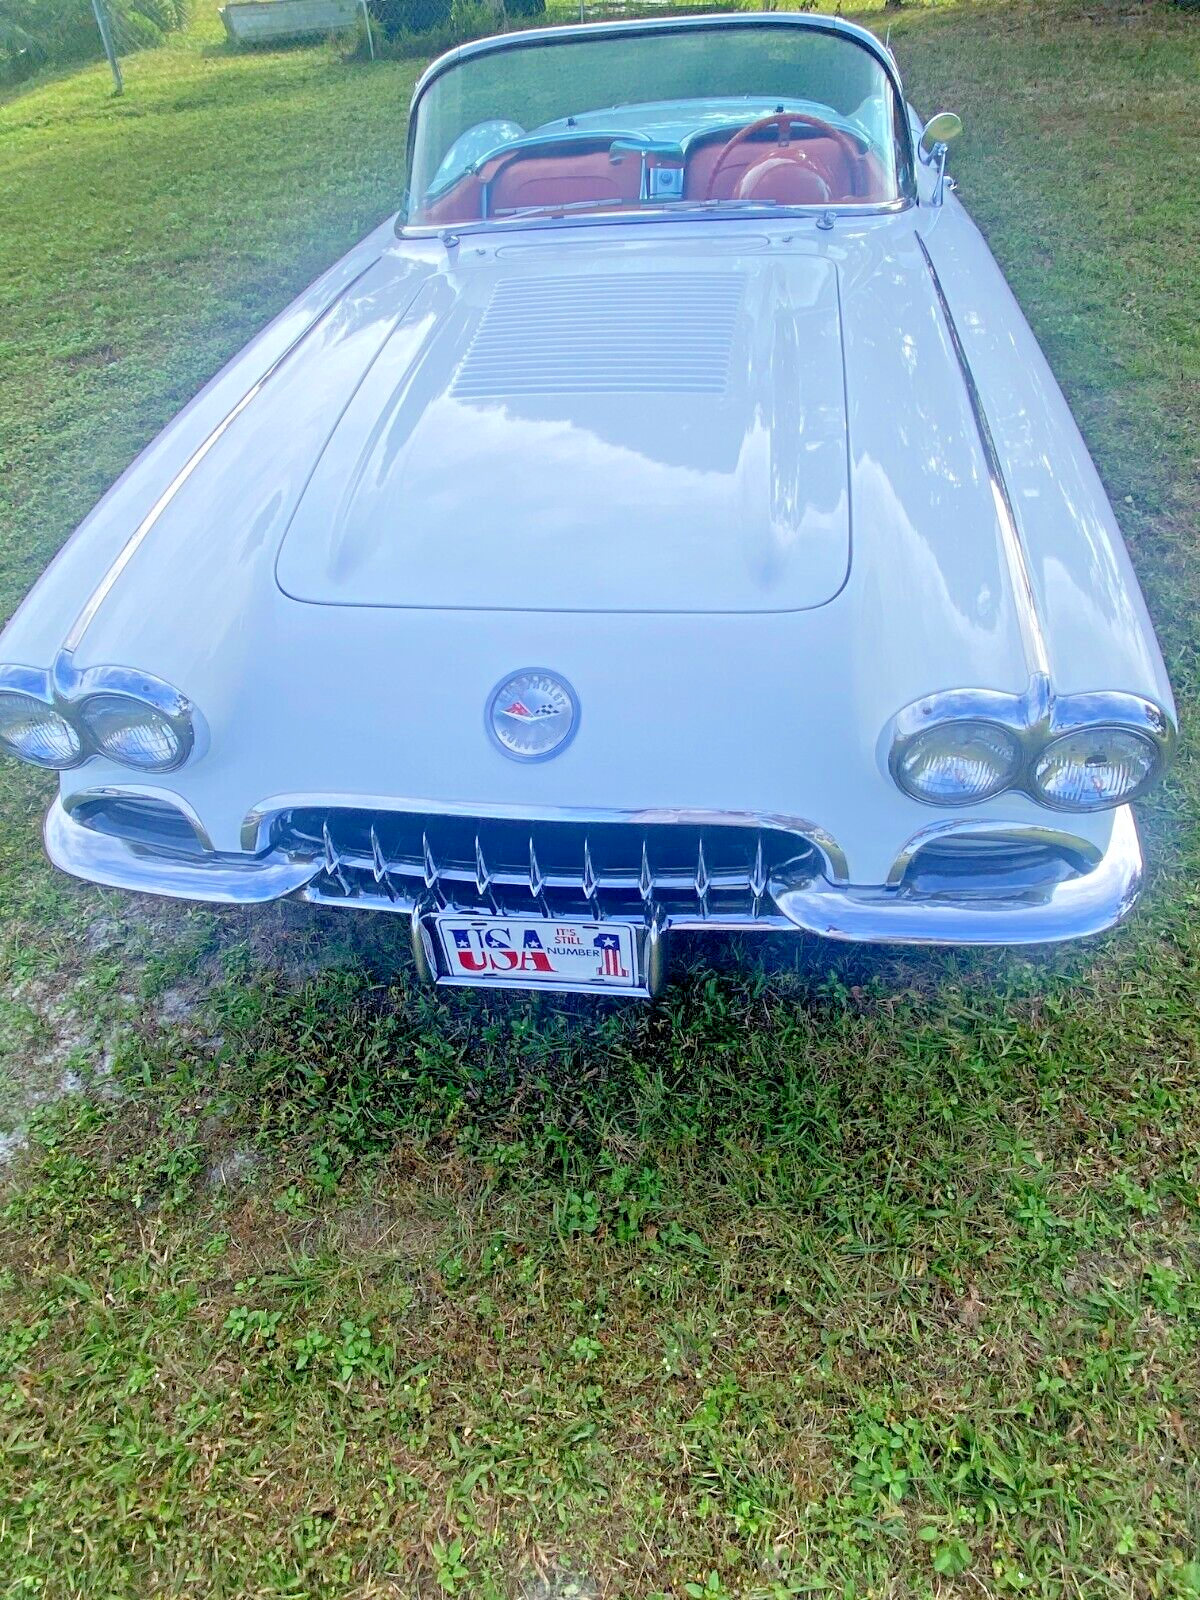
532 715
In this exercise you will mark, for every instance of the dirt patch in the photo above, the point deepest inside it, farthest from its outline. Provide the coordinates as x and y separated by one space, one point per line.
559 1586
380 1227
234 1168
175 1006
45 1051
102 355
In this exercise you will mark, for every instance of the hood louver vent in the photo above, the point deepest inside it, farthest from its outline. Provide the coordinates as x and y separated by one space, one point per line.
623 333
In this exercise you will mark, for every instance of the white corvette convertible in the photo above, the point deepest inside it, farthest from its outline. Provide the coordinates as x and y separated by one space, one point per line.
668 520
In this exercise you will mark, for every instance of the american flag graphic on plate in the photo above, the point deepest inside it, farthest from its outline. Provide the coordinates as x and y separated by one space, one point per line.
609 946
539 952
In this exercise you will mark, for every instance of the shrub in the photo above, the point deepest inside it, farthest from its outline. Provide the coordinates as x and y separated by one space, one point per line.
425 27
395 17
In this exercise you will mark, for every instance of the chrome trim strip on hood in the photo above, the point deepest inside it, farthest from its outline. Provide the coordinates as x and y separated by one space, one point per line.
139 535
1037 655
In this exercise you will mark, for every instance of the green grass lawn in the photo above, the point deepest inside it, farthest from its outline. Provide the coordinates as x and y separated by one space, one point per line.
841 1272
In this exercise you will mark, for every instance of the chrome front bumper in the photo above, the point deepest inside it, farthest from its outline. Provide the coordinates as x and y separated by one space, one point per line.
1085 903
207 876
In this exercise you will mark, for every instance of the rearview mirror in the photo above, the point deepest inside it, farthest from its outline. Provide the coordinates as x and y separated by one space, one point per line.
940 129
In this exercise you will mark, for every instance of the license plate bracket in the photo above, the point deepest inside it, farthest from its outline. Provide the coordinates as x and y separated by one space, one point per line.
566 954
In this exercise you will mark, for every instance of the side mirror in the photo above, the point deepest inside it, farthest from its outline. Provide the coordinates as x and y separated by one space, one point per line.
940 129
935 142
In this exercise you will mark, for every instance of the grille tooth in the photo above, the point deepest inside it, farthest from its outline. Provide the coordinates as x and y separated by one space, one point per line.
646 877
588 881
702 878
430 866
758 877
536 882
483 877
333 860
378 860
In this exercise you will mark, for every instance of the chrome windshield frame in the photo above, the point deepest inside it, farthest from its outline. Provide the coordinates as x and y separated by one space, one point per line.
529 38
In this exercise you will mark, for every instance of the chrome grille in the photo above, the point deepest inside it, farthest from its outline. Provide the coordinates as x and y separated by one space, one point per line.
692 874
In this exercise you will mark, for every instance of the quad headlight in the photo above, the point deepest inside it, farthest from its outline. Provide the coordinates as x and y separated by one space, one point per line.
1091 768
34 731
1081 752
132 732
957 762
58 719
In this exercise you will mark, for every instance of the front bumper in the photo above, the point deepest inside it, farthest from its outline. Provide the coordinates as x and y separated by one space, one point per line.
988 912
1086 903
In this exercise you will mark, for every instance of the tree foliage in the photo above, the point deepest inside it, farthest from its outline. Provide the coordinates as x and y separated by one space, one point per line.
37 33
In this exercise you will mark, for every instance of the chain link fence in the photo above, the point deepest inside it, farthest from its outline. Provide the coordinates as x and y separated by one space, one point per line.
41 33
423 27
396 17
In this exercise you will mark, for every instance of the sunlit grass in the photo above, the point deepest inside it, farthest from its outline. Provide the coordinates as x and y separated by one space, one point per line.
841 1272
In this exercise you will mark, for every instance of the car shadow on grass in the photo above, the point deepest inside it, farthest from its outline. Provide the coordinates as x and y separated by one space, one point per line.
298 943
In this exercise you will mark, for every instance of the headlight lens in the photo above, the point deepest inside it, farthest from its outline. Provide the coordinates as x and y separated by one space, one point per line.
131 732
1094 767
955 763
35 731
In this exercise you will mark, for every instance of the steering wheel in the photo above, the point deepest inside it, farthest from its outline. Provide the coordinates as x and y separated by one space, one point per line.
783 122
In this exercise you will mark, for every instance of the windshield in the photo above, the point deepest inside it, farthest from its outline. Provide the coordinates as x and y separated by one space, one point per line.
719 115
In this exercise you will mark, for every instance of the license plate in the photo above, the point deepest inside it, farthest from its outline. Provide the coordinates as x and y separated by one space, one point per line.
539 953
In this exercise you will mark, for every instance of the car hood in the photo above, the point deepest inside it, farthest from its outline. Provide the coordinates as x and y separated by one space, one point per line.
662 433
775 715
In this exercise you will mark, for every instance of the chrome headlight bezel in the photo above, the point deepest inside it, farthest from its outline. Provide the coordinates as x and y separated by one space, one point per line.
67 692
108 717
139 688
1035 720
27 683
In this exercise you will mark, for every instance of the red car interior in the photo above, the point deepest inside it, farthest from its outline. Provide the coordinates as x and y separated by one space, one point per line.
542 179
782 159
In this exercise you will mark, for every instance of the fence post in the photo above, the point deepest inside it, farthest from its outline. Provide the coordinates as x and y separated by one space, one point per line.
370 35
107 40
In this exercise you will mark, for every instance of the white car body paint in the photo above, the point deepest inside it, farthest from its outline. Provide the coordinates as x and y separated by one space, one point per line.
743 580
